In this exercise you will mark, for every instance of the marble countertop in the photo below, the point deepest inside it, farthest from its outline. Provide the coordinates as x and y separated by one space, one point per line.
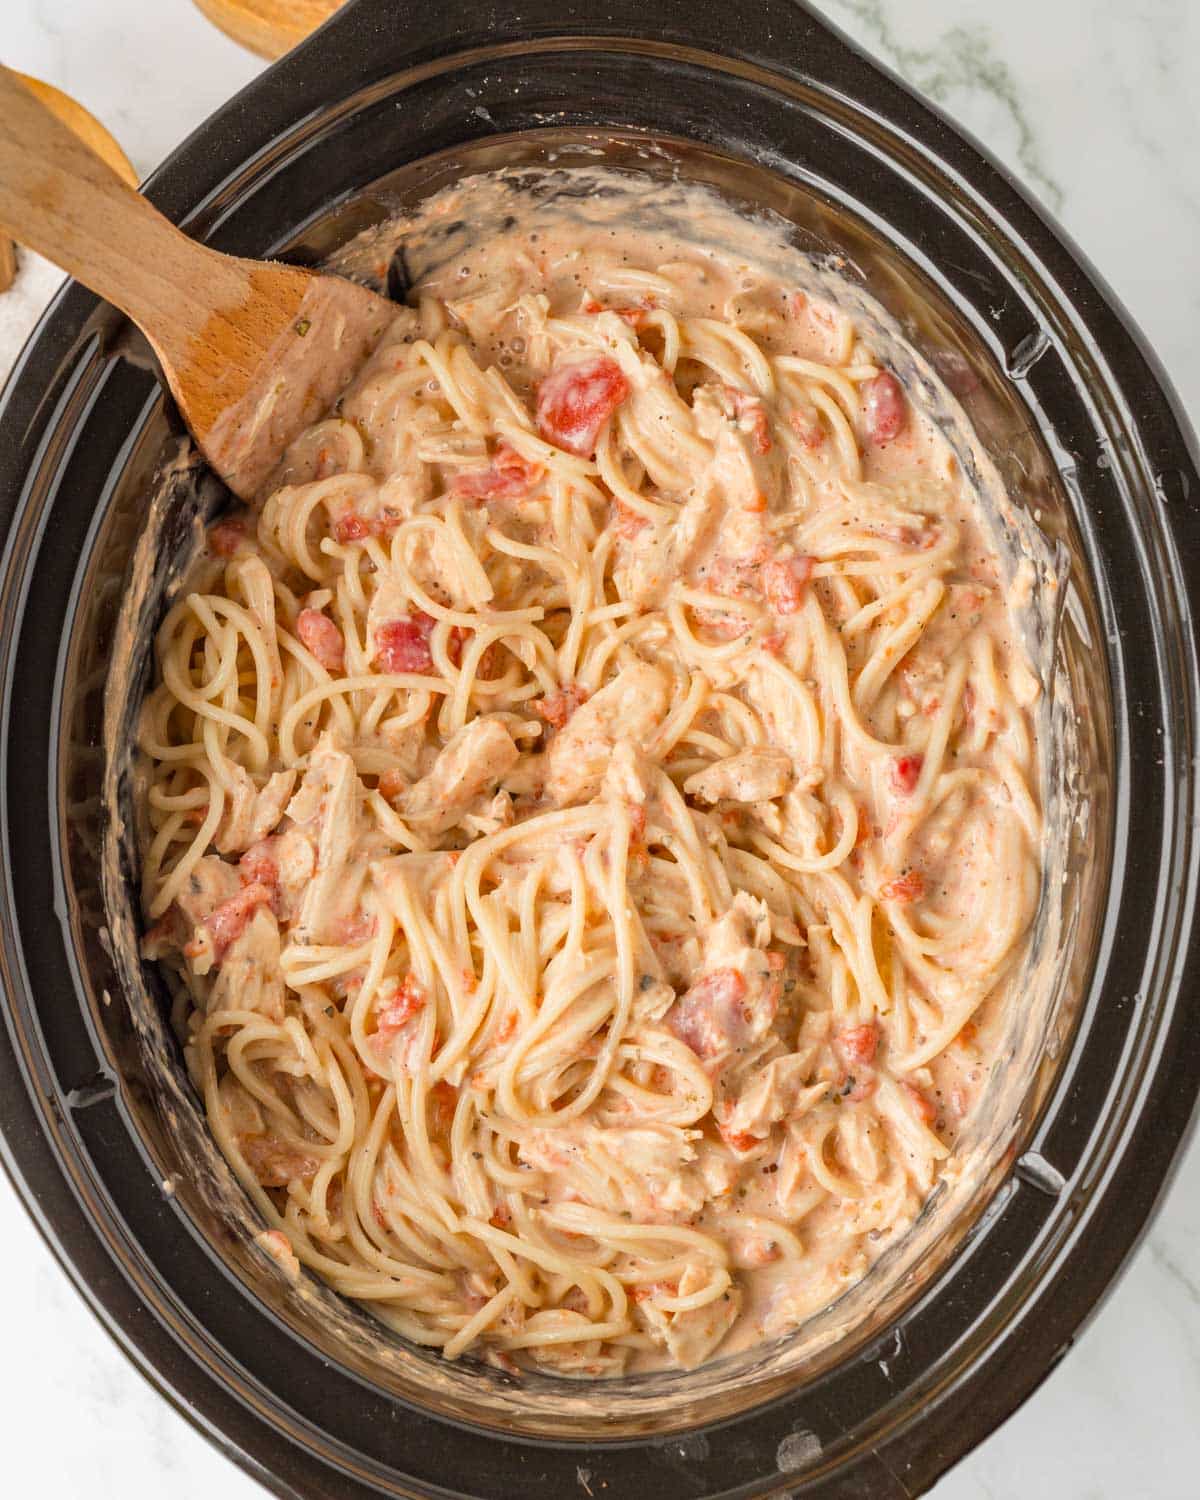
1093 104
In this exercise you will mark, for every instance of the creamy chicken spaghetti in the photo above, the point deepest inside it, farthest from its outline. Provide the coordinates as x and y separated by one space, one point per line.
593 813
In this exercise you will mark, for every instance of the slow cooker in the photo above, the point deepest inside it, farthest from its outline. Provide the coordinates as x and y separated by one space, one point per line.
102 1135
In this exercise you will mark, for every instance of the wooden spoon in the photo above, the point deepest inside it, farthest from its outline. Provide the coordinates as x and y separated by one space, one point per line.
268 27
253 351
88 129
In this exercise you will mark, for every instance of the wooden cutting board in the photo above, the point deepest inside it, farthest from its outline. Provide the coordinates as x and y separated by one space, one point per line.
268 27
89 130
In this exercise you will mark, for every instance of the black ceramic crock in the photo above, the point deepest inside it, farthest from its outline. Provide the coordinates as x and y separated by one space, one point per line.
770 104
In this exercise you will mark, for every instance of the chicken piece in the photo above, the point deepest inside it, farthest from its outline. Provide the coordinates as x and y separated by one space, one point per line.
732 1006
692 1336
741 472
250 812
210 884
250 977
285 862
649 559
628 777
647 1171
772 1094
746 925
327 808
631 706
468 766
753 775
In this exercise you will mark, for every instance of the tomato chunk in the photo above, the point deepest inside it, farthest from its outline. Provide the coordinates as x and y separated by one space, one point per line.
905 888
351 527
258 866
507 475
784 580
557 707
322 637
905 773
626 522
403 645
576 399
710 1017
407 1000
885 408
226 537
857 1044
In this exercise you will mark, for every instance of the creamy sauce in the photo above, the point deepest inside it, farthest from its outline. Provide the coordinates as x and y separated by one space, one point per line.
594 811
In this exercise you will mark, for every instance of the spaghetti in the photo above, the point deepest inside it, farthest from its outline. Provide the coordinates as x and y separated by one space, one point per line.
592 817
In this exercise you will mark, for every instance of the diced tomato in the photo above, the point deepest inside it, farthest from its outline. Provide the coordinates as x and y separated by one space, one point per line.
576 399
626 522
634 316
226 537
393 784
397 1009
857 1044
739 1140
501 1218
774 643
506 476
229 920
905 888
322 637
752 418
258 866
273 1162
905 772
923 1108
351 527
885 409
403 645
557 707
784 580
709 1017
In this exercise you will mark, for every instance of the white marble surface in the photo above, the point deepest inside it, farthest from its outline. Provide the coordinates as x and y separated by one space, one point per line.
1093 104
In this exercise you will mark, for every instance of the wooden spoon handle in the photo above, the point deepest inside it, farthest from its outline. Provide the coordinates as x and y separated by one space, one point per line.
60 198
